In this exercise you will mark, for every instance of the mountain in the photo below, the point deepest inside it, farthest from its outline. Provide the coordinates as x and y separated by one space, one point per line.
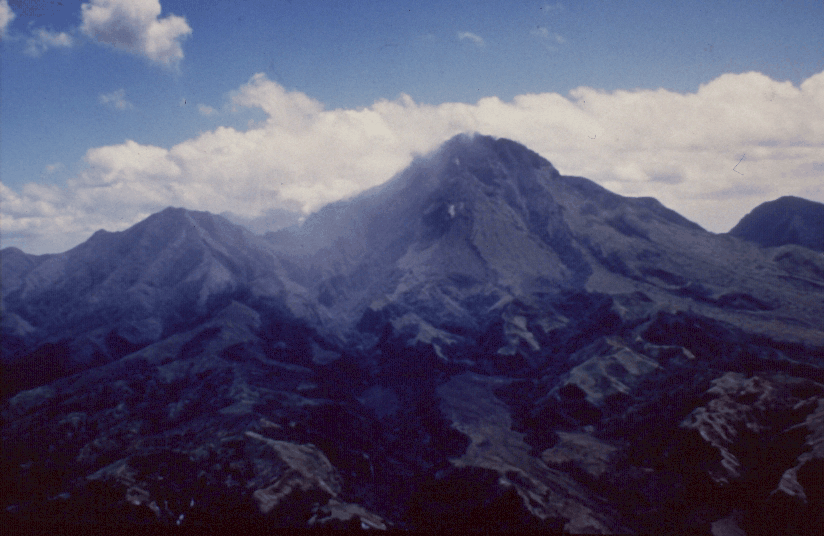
463 235
481 343
118 292
787 220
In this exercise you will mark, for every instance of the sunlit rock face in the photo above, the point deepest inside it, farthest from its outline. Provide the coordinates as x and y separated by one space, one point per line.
479 343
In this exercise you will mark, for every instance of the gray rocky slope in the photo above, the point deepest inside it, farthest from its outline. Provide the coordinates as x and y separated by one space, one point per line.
480 343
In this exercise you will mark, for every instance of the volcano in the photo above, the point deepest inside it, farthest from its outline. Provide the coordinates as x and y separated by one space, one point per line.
480 343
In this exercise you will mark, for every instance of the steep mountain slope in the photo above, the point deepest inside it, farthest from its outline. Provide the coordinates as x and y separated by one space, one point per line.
118 292
480 343
483 222
787 220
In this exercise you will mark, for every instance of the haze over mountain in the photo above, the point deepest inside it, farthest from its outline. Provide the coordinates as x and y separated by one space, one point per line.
481 342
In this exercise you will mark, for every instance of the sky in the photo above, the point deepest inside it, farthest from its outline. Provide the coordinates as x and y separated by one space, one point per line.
111 110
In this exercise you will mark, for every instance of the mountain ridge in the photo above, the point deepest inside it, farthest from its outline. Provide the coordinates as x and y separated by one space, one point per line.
481 343
587 231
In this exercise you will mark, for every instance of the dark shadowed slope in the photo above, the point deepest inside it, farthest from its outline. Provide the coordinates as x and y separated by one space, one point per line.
787 220
120 291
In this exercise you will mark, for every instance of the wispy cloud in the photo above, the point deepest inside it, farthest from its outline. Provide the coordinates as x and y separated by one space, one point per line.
678 147
206 110
52 168
136 26
553 8
116 99
42 39
474 38
549 38
6 17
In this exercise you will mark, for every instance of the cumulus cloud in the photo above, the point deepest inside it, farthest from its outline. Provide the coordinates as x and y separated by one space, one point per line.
116 99
474 38
685 149
6 17
42 39
136 26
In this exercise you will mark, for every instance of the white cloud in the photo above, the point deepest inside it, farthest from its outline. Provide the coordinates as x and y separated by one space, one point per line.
679 148
116 99
206 110
41 40
474 38
553 8
6 17
136 26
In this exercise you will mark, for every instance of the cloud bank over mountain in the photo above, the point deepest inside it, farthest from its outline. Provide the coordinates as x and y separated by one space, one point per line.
711 155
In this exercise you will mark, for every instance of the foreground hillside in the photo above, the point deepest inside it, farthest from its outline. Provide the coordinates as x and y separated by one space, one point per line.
480 343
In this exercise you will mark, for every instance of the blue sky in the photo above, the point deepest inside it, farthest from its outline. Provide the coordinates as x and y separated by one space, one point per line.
112 109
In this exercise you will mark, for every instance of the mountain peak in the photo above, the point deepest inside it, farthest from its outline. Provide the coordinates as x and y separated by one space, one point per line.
175 216
486 212
483 155
474 146
786 220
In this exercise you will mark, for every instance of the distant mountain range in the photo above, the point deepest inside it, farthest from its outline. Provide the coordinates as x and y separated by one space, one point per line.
479 343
